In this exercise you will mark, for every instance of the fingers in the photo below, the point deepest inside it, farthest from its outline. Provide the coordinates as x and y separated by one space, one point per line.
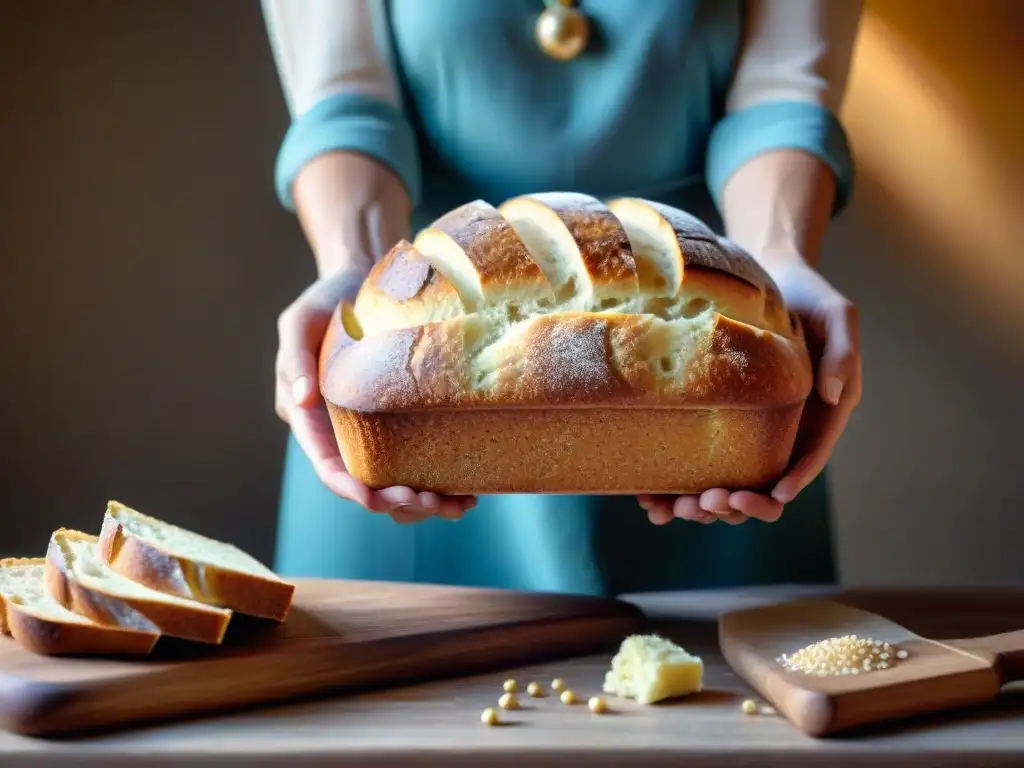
714 500
732 517
451 509
315 435
299 337
688 508
430 504
820 445
841 352
658 508
660 516
714 505
405 516
387 499
839 385
301 329
662 510
754 505
405 506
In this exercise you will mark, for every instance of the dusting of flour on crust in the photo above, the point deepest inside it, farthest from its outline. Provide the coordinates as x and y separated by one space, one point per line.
569 359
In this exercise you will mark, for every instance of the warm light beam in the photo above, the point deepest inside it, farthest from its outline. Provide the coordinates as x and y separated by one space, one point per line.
926 148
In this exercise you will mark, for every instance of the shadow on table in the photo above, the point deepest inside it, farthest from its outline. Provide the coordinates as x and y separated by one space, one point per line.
1007 709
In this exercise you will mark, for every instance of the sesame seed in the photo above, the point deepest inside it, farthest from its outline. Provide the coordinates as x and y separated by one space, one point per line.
846 655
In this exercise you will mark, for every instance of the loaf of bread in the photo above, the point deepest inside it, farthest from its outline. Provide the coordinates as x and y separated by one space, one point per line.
557 344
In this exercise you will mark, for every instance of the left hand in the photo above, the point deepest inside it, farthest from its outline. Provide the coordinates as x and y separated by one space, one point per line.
833 336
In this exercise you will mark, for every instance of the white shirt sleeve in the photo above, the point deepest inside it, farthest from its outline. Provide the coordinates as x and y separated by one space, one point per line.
795 50
327 47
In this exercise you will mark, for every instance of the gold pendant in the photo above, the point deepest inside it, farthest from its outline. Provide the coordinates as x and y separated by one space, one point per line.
562 32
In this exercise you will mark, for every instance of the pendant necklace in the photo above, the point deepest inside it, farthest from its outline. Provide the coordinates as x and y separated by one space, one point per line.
562 30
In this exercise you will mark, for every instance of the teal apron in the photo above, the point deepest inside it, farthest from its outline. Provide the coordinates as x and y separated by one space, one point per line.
494 118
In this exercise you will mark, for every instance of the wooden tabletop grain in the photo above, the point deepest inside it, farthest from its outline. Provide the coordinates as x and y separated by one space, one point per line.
438 724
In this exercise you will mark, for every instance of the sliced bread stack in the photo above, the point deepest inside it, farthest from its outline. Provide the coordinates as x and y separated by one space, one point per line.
140 579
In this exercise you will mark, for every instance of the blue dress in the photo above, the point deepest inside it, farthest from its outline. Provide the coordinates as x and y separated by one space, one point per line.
487 115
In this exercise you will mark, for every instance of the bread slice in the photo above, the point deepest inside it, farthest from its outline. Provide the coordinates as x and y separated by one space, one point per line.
179 562
42 625
78 579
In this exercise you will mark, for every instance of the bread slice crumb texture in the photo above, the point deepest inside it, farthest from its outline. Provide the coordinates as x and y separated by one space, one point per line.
22 583
188 544
84 561
40 623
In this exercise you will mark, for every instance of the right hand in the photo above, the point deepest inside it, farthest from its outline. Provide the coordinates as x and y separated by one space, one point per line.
301 330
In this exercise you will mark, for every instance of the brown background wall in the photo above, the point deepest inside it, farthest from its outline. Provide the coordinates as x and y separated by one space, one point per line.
143 260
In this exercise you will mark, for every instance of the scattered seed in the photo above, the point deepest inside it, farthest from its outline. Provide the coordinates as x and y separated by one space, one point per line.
489 716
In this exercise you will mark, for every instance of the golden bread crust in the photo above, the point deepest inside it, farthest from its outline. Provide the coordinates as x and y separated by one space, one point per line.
404 288
495 254
491 245
568 450
699 246
570 359
604 248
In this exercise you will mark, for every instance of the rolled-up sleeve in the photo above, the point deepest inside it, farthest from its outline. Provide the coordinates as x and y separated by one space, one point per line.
788 89
333 58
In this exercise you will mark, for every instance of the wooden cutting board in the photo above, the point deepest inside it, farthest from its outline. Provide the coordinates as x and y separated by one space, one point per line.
935 676
340 635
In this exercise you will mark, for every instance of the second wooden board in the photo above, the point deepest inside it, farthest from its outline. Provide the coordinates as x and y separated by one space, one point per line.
934 676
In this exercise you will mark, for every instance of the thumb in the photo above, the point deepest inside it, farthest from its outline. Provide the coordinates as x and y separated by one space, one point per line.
839 354
303 388
297 366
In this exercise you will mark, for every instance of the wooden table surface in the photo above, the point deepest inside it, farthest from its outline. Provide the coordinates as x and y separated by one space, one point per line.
438 723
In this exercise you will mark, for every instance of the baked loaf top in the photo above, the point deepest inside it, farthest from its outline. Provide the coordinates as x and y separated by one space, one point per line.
558 300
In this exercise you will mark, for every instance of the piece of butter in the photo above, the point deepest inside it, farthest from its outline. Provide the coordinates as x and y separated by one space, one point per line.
649 668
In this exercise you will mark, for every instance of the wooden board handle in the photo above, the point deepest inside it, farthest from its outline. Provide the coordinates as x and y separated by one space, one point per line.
1007 648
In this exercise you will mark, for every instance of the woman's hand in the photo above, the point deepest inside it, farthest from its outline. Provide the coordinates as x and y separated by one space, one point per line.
831 326
301 330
